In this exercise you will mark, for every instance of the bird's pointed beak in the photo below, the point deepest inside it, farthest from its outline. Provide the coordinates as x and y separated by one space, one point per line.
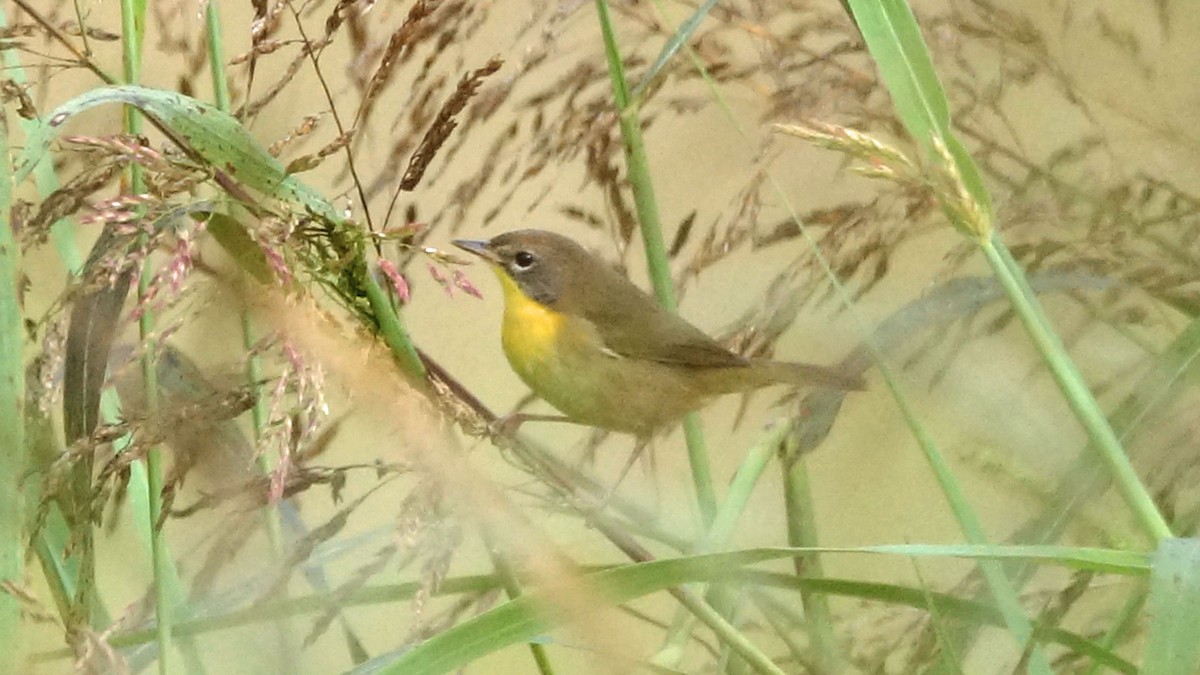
476 247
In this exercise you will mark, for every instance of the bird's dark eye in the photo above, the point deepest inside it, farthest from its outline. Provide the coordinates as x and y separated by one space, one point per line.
523 260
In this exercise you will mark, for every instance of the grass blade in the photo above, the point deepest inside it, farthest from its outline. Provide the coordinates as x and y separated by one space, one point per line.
895 41
638 169
12 423
904 63
1173 637
678 39
802 532
1079 397
525 618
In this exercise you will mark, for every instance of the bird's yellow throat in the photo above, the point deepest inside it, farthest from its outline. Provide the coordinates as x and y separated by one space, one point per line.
530 331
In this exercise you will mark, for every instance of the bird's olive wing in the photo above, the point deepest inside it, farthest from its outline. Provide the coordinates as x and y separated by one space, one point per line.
634 326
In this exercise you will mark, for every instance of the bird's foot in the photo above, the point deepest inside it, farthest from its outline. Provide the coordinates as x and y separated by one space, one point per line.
509 424
506 425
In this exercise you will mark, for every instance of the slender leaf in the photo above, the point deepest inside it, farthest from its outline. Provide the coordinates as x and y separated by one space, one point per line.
216 136
225 618
638 170
723 526
1173 638
1075 389
678 39
525 618
95 317
239 245
894 38
13 451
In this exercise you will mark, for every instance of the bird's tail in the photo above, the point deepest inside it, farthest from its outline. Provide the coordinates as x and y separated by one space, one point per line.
806 374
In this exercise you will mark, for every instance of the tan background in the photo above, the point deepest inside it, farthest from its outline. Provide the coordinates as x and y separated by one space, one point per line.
991 408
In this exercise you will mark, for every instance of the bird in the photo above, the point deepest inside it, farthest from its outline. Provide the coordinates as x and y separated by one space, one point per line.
603 352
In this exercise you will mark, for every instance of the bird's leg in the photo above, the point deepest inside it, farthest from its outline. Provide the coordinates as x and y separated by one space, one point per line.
510 423
588 456
638 449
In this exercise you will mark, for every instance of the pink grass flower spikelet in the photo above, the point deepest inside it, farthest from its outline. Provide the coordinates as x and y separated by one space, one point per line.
277 433
440 278
183 262
396 279
172 276
270 238
296 413
123 210
462 282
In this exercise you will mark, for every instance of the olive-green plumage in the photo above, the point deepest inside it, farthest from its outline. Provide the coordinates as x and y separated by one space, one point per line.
602 351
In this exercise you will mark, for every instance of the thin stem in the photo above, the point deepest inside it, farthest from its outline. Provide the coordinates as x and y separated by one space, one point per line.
638 169
728 633
1125 621
12 421
512 588
258 413
723 526
132 28
1001 587
1079 397
216 55
313 57
802 532
391 327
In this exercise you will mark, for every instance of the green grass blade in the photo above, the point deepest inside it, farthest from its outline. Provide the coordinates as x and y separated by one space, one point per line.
678 39
525 618
1079 397
1158 389
895 41
530 615
512 588
917 598
65 575
1104 560
638 169
1173 636
133 30
741 489
802 532
216 56
49 541
13 451
215 136
1000 587
712 568
899 50
942 604
235 239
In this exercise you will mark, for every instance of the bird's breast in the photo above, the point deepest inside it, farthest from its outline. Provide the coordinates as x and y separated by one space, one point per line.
531 333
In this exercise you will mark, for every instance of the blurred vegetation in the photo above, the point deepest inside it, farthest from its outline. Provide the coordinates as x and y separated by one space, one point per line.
244 425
